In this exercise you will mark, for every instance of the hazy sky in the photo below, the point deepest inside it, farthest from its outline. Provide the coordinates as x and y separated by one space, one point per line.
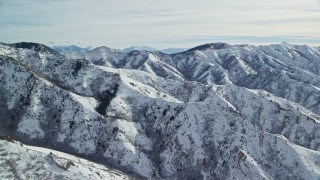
160 23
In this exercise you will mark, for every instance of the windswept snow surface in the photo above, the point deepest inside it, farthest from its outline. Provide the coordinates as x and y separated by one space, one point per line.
216 111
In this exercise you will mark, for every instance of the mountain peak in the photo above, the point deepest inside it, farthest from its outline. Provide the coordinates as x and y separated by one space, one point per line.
33 46
210 46
103 48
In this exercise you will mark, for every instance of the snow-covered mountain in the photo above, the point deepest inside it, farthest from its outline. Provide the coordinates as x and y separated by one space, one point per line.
216 111
139 48
150 49
172 50
76 52
71 48
72 51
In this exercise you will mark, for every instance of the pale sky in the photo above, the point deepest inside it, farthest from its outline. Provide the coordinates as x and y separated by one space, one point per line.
160 23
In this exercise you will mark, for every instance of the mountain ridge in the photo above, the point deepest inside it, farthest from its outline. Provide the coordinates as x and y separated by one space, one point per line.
69 49
163 116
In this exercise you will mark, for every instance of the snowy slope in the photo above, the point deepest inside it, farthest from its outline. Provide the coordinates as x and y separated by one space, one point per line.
213 112
255 67
19 161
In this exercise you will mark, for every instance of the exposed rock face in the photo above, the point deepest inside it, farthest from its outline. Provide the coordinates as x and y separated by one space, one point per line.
215 112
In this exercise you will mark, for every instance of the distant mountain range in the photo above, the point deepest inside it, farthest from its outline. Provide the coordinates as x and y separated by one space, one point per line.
76 49
215 111
139 48
71 48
